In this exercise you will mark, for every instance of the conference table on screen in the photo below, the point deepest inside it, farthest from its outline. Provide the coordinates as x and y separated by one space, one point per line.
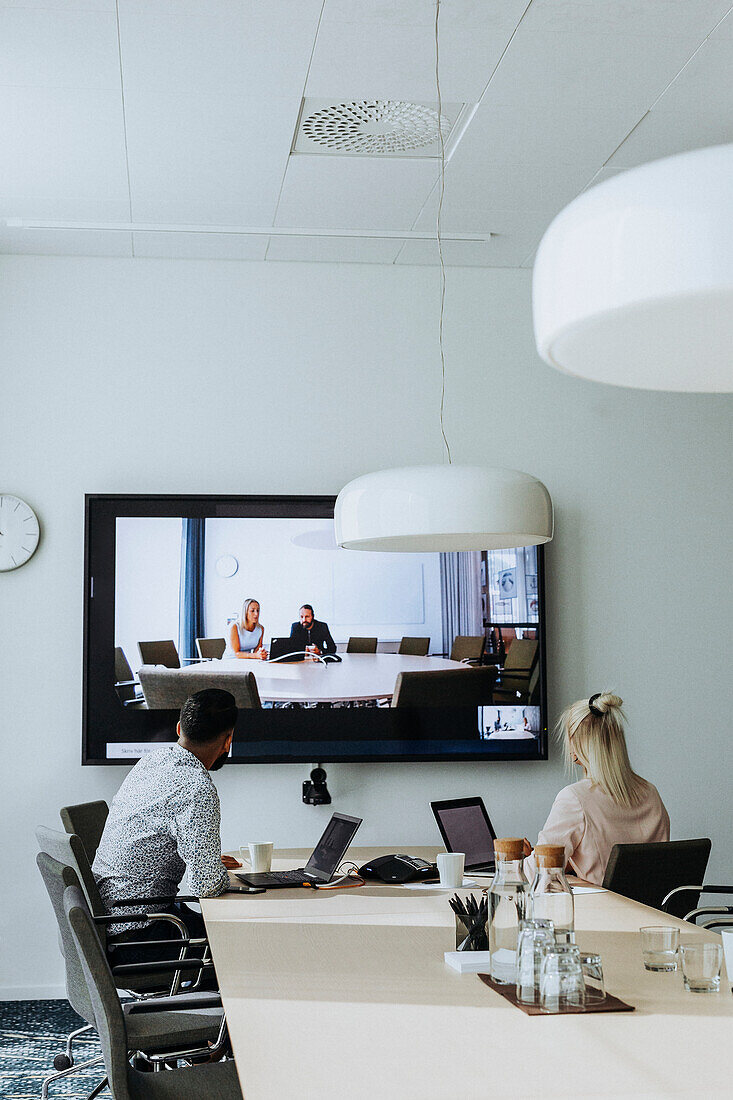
346 993
358 677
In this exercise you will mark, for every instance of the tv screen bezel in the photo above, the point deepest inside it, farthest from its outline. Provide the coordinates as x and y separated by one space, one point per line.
101 511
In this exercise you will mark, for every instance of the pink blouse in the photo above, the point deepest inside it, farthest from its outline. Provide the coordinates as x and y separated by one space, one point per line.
588 823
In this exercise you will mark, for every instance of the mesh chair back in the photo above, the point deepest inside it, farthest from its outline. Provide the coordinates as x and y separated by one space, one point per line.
647 872
168 689
211 648
414 647
159 653
458 687
362 645
56 878
87 820
67 848
468 647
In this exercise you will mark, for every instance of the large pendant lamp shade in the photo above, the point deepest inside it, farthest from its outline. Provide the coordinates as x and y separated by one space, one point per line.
633 281
430 508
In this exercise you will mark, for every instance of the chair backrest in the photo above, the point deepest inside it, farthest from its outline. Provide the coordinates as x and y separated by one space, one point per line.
211 648
87 820
67 849
468 647
57 877
124 679
159 653
456 687
362 645
414 647
647 872
521 655
168 689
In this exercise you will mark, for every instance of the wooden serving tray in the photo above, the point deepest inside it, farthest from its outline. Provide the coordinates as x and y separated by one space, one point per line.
611 1003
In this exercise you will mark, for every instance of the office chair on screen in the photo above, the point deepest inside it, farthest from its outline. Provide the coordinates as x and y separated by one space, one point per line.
210 649
414 647
468 648
87 820
362 645
115 1028
457 687
164 1030
650 873
519 673
159 653
168 689
126 686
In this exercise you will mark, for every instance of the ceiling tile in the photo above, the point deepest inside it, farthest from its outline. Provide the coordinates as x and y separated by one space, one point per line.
367 60
668 18
498 14
64 242
58 49
354 192
340 250
508 249
216 159
61 5
62 154
199 246
586 70
229 53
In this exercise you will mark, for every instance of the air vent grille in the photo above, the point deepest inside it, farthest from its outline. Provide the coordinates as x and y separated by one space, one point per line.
374 128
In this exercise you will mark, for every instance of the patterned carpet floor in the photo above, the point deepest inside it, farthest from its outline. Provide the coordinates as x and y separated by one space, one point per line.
32 1033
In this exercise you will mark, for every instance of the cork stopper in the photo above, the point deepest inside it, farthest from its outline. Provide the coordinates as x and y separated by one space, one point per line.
509 847
550 855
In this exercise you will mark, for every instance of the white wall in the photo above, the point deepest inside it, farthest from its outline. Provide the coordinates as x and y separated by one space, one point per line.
130 376
147 582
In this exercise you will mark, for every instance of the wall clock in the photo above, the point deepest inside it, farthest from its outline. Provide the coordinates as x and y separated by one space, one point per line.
19 532
227 565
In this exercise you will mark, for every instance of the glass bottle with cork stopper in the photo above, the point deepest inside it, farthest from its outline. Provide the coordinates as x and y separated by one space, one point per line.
550 895
507 907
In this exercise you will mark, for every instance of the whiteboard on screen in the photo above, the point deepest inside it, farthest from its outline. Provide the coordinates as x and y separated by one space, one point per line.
369 589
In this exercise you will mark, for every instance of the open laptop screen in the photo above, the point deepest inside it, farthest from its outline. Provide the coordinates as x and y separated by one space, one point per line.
465 827
330 849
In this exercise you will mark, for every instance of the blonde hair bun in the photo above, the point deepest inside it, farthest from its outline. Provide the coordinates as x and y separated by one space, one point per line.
607 701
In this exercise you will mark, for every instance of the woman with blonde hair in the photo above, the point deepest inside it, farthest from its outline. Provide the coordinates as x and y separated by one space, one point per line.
246 636
612 804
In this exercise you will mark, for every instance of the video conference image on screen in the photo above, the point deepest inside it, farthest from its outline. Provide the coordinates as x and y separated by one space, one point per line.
330 654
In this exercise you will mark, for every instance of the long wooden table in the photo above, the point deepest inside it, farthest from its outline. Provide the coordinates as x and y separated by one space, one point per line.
346 994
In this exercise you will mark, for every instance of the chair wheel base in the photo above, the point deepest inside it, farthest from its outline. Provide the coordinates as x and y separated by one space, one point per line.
62 1062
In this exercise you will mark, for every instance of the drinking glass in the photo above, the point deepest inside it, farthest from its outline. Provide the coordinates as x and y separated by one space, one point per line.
534 936
595 990
561 978
726 934
659 945
701 964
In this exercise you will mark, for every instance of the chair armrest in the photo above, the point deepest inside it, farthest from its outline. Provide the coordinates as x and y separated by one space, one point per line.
154 943
127 683
169 966
184 1002
711 889
162 900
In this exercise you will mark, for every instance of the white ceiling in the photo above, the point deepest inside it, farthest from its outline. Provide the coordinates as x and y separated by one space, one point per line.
171 113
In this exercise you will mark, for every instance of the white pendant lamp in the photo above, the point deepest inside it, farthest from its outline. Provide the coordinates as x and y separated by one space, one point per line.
633 281
428 508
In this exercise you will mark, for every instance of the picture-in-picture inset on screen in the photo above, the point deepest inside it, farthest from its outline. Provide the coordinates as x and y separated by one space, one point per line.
253 595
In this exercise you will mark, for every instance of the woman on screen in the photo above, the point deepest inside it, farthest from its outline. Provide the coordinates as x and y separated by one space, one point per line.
612 804
246 636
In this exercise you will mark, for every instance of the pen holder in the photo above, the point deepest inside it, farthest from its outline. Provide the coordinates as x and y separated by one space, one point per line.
471 926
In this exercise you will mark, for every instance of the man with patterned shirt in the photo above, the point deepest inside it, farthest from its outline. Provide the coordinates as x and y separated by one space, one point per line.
165 820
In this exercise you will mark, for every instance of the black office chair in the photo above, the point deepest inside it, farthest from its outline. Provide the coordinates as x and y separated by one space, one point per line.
649 872
456 687
159 653
362 645
211 649
414 647
706 916
87 821
127 687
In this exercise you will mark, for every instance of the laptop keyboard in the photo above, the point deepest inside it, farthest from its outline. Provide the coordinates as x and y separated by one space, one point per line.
262 878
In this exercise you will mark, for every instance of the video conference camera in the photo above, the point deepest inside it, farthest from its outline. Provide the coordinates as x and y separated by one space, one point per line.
315 791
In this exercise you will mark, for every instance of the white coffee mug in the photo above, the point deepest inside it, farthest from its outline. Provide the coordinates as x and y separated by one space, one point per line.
727 934
450 868
257 855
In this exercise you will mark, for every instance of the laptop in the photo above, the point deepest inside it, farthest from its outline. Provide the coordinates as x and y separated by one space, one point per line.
282 648
465 827
328 853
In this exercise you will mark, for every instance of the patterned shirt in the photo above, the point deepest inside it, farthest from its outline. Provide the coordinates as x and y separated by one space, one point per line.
163 821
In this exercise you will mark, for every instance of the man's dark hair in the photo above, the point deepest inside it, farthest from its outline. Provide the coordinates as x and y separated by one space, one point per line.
207 714
307 607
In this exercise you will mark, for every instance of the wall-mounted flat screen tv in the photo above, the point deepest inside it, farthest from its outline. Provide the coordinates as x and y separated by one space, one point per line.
331 655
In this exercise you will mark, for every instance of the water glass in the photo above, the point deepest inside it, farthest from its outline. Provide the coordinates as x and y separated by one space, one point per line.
659 945
595 990
561 978
535 936
701 963
726 934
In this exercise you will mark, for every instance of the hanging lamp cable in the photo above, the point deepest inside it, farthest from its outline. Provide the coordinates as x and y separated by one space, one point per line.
438 233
